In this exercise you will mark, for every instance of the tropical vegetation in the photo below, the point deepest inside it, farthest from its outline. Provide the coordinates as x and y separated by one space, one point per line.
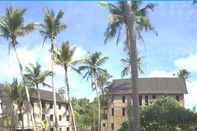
131 18
49 29
12 26
64 57
91 68
166 114
127 20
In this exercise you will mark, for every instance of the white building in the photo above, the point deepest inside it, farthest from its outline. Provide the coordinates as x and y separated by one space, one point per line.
63 117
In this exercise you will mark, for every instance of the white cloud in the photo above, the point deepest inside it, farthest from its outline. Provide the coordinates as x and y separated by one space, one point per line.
188 62
9 67
160 73
191 97
79 53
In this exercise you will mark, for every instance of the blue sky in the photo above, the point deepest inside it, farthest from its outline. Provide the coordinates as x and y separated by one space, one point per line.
174 48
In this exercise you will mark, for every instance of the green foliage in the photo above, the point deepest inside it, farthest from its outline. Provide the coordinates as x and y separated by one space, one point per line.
166 114
64 56
117 19
91 66
124 127
34 75
13 93
183 74
52 25
86 113
127 67
12 25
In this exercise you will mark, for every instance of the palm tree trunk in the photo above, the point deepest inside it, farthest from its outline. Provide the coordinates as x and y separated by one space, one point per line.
39 100
68 95
94 125
99 110
26 89
52 82
21 115
94 86
132 50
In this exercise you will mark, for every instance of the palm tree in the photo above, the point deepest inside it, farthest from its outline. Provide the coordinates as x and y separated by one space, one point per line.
9 113
183 74
127 67
36 76
51 27
92 68
18 96
64 57
131 17
11 27
103 81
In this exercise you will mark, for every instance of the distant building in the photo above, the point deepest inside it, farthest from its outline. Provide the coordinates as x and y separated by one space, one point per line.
63 115
149 90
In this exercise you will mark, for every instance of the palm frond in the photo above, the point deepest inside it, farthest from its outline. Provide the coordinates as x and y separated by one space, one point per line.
12 25
112 30
35 75
52 23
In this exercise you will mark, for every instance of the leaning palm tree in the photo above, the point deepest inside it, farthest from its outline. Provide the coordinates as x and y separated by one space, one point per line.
51 27
11 27
127 68
131 17
64 57
36 76
92 68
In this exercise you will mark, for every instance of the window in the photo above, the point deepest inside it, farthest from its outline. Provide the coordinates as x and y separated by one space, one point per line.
153 96
123 111
51 129
51 105
43 105
112 99
0 106
140 100
68 128
20 116
60 129
146 100
112 111
177 98
67 117
123 99
67 107
51 117
104 125
59 106
112 126
43 116
32 104
60 118
105 116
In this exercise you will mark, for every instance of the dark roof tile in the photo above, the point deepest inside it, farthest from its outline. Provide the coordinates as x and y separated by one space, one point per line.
150 86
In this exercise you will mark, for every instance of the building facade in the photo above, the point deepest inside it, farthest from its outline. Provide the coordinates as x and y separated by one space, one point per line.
44 119
149 90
